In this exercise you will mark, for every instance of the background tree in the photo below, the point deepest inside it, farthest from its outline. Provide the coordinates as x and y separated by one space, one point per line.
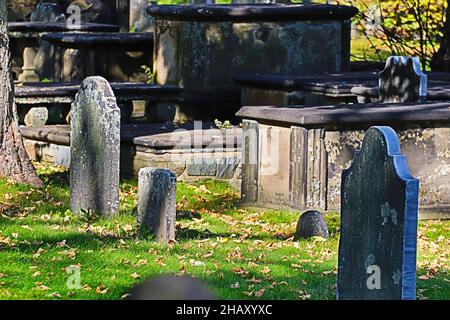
14 161
401 27
441 60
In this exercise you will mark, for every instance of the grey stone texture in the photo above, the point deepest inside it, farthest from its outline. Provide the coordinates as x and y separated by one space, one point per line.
311 224
95 149
402 80
36 117
202 167
157 203
379 213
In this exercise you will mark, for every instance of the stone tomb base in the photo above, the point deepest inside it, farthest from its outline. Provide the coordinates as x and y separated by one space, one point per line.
191 155
301 153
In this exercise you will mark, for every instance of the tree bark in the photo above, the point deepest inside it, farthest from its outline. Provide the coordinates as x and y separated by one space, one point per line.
14 161
441 60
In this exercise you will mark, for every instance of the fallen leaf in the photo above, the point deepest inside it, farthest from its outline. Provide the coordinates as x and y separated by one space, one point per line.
101 290
260 293
135 276
266 270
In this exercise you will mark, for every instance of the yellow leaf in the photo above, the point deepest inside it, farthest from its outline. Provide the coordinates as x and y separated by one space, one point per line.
266 270
260 293
135 276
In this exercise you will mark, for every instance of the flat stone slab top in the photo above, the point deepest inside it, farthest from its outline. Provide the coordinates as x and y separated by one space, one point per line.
65 92
124 41
435 92
334 84
148 136
349 114
244 13
46 27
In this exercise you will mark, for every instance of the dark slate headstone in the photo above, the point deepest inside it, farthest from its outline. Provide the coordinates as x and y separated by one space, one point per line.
157 203
311 224
379 207
202 167
226 167
95 149
402 80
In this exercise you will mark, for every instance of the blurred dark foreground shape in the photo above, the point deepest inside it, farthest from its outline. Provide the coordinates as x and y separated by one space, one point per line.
170 288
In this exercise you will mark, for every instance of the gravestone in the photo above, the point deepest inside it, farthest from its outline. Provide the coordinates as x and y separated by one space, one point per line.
36 117
311 224
95 148
157 203
379 201
402 80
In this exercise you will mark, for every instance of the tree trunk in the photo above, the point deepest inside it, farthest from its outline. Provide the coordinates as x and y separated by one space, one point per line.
441 60
14 161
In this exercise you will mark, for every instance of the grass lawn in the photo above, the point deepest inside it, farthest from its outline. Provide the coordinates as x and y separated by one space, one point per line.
239 254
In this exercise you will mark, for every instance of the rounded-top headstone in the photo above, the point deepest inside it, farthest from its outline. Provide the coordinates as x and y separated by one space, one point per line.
311 224
95 148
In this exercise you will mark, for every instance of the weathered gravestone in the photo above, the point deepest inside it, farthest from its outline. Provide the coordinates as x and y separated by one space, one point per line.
36 117
157 203
402 80
95 148
311 224
377 249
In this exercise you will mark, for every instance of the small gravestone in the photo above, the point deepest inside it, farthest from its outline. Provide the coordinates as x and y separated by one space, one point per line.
95 148
36 117
311 224
402 80
157 203
379 207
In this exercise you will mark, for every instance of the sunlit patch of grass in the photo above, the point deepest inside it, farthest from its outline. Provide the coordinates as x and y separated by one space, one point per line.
238 253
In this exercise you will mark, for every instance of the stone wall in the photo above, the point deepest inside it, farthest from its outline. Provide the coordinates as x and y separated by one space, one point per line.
223 165
301 168
225 49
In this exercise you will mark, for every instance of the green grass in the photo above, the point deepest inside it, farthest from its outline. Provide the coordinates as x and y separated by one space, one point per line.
237 253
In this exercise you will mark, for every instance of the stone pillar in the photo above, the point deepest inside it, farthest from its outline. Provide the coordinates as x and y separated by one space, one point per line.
157 203
95 149
28 70
250 161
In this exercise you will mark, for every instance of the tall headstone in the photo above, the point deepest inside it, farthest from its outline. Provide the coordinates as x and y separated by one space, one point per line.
95 148
379 206
157 203
402 80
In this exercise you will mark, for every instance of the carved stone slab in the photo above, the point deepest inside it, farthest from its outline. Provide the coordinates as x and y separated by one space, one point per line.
402 80
377 248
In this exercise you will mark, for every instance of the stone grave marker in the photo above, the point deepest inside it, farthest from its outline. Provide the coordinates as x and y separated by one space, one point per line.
157 203
311 224
402 80
379 207
36 117
95 148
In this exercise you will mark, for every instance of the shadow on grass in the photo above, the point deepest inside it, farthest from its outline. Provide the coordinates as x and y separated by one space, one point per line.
56 178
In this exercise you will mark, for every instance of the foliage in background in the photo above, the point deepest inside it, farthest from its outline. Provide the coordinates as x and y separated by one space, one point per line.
149 73
401 27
